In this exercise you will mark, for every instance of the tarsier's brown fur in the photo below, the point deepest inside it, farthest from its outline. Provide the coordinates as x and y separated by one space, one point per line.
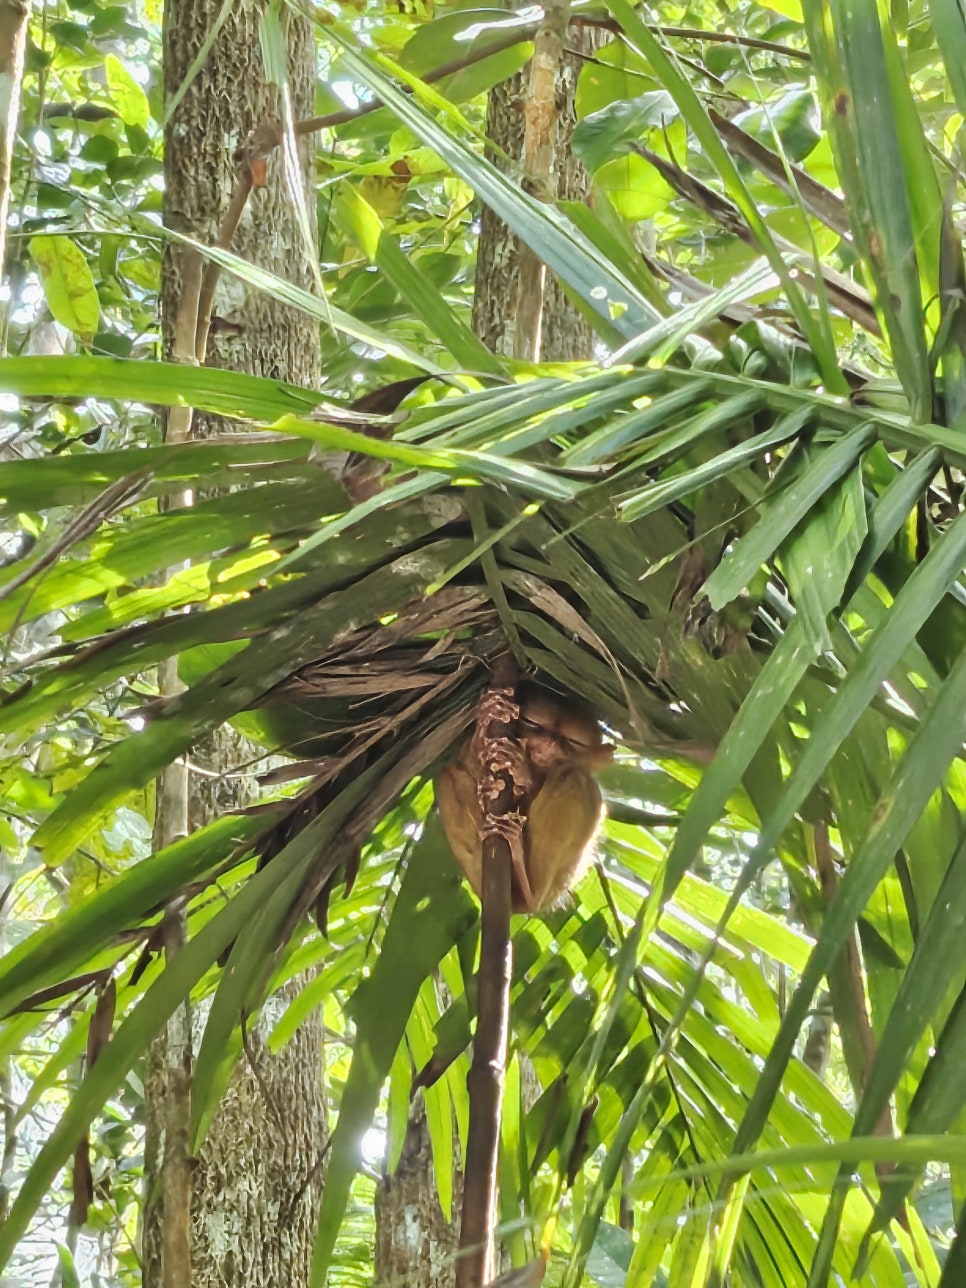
558 746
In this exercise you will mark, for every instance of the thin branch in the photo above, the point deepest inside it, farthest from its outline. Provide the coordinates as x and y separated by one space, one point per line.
118 494
226 235
723 38
516 37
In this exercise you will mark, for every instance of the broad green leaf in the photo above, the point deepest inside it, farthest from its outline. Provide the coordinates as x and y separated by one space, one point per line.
465 34
792 117
68 284
603 135
128 98
611 1257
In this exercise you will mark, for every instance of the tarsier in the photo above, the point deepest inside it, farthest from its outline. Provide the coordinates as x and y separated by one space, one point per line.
552 833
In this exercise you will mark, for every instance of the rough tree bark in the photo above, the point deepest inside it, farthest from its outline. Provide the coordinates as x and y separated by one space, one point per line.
415 1244
566 336
13 42
256 1185
413 1240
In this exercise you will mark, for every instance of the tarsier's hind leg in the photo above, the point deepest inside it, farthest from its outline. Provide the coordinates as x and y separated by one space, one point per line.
563 821
510 827
462 818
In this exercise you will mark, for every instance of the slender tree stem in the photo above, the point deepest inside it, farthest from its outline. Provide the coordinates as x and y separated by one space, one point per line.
486 1076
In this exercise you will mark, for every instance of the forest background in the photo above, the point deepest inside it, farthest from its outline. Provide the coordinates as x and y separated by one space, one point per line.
346 348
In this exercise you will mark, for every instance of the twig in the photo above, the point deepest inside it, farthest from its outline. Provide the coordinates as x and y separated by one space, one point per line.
226 235
120 493
725 38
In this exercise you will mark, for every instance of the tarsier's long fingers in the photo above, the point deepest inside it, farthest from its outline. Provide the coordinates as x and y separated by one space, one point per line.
497 704
510 827
503 755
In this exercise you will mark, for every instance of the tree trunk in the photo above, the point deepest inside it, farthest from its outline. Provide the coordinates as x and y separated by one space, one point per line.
255 1187
13 42
227 98
415 1244
566 336
413 1241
